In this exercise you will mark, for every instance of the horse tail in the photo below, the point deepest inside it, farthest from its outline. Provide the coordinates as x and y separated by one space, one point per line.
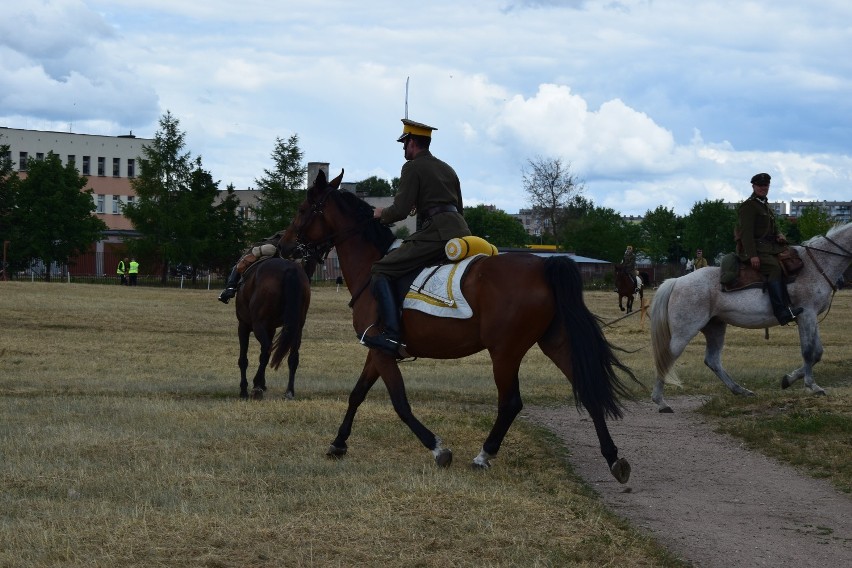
593 363
661 333
293 296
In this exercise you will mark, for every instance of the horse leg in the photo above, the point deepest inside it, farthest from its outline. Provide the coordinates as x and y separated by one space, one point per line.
630 303
369 376
243 332
292 365
714 335
259 384
391 375
620 304
509 404
811 354
676 345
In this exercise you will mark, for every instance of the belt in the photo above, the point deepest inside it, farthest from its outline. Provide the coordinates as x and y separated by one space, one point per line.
429 213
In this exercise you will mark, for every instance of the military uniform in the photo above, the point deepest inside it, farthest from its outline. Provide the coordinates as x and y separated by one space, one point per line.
758 235
628 264
700 262
267 247
432 189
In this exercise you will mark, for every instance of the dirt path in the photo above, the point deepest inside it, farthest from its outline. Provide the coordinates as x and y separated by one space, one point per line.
703 495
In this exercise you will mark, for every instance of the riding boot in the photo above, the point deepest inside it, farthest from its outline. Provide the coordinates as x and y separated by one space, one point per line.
780 301
230 286
388 339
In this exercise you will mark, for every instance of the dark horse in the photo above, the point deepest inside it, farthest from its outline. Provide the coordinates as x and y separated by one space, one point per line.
275 293
626 288
518 300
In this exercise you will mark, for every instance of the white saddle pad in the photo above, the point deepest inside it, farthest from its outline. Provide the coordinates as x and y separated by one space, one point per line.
440 295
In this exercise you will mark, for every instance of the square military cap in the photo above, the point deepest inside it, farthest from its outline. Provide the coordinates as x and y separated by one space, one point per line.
761 179
410 127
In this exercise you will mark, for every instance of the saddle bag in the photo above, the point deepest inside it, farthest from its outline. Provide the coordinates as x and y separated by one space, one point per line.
790 261
730 266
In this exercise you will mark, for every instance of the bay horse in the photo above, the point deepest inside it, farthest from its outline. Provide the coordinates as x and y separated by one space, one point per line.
275 293
694 303
626 288
518 300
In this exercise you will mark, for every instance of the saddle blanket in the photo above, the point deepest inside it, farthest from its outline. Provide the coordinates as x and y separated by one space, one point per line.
437 291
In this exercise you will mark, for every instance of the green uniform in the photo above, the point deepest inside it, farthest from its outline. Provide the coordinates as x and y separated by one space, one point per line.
758 236
428 186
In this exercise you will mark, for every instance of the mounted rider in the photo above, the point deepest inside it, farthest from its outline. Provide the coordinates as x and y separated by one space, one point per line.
431 188
270 246
759 243
628 265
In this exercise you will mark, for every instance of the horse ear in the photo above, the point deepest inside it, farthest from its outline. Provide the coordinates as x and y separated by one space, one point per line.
320 181
335 183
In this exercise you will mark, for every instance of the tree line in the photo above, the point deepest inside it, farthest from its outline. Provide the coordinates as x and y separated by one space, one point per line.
182 218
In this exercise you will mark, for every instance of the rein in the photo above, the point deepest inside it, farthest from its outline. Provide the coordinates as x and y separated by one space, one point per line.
844 254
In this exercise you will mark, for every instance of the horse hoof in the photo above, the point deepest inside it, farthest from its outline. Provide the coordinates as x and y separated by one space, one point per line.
257 394
444 458
335 452
820 392
243 395
785 382
289 395
666 410
620 470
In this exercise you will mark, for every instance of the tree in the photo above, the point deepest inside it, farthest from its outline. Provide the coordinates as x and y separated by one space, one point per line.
53 216
599 232
227 232
813 221
175 202
374 186
661 235
497 227
8 191
550 186
710 227
281 189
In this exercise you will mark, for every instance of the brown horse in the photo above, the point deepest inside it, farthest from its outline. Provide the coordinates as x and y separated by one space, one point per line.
275 293
626 288
518 300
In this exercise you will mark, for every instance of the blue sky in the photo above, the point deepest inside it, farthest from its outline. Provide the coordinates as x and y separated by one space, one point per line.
655 102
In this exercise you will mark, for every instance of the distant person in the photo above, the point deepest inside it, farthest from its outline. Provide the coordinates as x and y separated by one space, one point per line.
628 264
122 271
759 242
339 282
430 187
133 271
700 261
261 249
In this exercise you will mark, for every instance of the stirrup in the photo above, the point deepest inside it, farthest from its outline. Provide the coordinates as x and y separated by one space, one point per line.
227 294
384 342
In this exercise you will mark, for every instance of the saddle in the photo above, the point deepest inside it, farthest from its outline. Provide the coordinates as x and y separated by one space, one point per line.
737 275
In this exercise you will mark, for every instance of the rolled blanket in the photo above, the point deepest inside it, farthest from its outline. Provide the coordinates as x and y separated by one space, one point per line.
462 247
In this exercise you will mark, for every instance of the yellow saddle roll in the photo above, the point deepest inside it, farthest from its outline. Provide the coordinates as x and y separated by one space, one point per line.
462 247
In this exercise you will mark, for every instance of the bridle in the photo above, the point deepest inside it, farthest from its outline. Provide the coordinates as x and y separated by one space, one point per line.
844 253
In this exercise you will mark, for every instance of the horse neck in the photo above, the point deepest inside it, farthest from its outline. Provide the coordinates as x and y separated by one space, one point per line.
835 261
356 257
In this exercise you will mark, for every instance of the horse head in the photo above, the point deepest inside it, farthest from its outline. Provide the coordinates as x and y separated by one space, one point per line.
308 231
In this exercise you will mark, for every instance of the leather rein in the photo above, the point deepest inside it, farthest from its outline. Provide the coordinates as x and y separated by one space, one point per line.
844 254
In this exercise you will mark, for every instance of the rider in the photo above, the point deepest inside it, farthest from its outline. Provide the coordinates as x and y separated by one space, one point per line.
700 261
262 249
759 242
430 187
628 264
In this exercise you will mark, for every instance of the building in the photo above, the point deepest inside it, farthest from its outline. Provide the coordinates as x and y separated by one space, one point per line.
778 207
838 211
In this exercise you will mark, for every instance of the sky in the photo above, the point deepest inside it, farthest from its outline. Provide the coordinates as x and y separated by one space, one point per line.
649 102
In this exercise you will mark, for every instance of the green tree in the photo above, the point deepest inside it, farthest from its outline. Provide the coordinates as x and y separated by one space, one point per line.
496 226
52 217
710 227
599 232
227 232
813 221
374 186
174 201
661 235
281 189
550 186
8 191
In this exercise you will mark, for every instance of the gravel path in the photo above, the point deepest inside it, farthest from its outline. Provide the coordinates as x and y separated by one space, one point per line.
703 495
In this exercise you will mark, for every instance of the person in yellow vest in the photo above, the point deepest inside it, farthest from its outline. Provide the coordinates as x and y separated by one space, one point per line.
133 271
700 261
122 271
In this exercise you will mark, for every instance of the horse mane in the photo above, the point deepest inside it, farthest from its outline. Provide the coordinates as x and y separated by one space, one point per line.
353 207
836 228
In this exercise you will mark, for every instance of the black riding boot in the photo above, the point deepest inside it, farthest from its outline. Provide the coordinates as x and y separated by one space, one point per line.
230 286
780 301
388 339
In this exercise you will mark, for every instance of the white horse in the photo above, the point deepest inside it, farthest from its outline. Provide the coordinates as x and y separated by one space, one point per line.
695 302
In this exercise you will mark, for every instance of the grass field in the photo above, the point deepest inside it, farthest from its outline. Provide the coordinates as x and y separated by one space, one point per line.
123 442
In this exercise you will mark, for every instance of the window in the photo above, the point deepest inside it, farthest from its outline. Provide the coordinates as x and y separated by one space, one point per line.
87 165
72 160
116 166
40 156
131 167
22 161
116 204
101 166
100 204
130 199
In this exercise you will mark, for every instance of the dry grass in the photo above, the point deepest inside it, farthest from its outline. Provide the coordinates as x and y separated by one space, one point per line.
122 442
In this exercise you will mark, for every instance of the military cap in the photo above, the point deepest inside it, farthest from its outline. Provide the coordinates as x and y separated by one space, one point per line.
409 127
761 179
